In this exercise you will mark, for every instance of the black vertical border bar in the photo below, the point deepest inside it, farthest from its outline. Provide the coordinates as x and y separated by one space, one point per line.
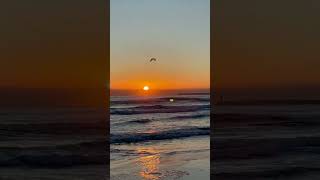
107 89
211 86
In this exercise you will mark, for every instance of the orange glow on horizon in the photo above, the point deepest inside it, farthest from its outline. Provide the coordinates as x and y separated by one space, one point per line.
158 85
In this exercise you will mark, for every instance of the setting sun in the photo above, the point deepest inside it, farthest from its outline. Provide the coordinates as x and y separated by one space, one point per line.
146 88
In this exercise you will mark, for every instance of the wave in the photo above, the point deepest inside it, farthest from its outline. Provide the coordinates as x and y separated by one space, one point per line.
130 152
179 117
138 121
159 100
157 109
163 135
192 116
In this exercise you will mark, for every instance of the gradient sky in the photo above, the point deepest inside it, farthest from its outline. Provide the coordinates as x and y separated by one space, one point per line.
266 44
176 32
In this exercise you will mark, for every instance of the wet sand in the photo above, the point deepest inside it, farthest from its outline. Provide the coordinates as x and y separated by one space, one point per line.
176 159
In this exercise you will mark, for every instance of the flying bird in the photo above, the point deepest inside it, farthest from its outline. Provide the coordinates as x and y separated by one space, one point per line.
153 59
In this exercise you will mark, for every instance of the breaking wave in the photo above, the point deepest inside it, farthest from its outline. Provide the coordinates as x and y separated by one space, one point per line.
163 135
157 109
159 100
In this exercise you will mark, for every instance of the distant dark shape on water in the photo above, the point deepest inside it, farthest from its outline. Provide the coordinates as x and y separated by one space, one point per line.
153 59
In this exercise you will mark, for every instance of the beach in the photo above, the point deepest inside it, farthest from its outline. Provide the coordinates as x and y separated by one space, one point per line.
155 138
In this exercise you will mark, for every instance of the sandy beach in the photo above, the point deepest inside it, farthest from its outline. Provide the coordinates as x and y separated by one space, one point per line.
177 159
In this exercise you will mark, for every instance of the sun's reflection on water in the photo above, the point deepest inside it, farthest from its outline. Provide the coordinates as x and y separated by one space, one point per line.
149 160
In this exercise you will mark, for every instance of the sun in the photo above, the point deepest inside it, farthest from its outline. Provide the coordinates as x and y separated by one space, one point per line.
146 88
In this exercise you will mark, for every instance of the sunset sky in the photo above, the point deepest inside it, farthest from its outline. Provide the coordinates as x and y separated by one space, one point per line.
175 32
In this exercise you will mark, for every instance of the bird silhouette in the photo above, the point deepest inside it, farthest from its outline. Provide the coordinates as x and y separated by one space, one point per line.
153 59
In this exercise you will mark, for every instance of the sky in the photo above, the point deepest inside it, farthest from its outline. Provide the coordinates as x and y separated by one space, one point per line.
266 44
175 32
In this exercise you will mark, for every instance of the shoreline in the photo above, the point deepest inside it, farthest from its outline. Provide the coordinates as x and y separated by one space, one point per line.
171 159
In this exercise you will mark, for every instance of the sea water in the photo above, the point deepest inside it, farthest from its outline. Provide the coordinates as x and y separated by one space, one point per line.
160 137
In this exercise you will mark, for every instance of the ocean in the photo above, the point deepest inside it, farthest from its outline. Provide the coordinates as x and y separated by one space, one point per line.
160 137
64 143
266 140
